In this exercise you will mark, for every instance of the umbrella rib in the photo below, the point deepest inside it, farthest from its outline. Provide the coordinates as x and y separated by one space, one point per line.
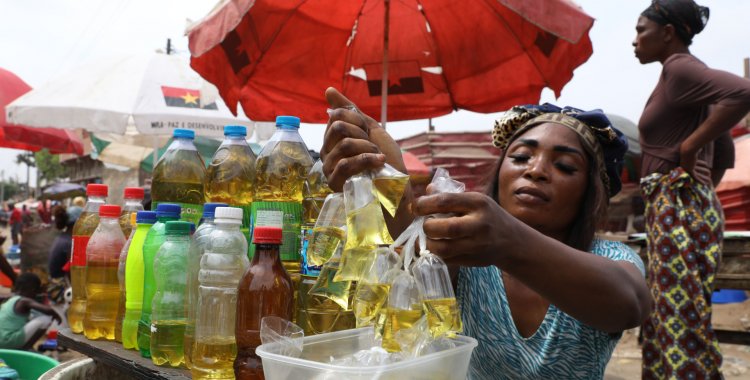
541 74
438 58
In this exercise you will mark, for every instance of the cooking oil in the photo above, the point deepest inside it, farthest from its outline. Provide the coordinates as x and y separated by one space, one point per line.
319 314
220 353
368 302
389 191
323 244
443 317
395 321
103 295
167 342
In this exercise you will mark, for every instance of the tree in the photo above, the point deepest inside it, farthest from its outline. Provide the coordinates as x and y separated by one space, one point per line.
49 166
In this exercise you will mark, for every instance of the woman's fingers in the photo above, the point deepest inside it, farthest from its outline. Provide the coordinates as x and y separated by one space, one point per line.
338 131
458 203
450 227
349 166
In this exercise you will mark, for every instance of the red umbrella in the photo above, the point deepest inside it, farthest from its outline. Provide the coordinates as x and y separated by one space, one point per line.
278 56
28 138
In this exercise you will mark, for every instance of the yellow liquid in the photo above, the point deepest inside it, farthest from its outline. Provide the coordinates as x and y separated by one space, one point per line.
187 346
214 358
337 292
369 300
356 263
390 191
167 342
366 227
395 321
311 207
103 296
120 317
84 226
315 191
281 171
323 244
443 317
77 308
318 314
230 176
178 177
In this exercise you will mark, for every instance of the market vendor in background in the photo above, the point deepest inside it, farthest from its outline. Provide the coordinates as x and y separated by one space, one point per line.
686 149
542 295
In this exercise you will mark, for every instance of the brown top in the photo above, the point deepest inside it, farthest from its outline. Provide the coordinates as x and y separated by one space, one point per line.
679 104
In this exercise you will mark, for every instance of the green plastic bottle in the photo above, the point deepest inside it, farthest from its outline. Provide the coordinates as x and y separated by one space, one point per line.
280 173
168 314
155 237
230 176
134 279
179 177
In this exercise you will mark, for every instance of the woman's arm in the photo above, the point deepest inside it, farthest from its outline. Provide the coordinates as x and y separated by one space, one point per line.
25 305
605 294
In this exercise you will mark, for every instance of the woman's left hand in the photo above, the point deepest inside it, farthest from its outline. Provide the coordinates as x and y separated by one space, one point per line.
474 235
698 169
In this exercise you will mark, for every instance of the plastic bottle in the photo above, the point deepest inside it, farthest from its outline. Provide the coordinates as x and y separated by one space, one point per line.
179 176
221 269
280 173
168 314
134 279
121 276
230 176
198 243
82 230
133 197
151 244
265 290
102 287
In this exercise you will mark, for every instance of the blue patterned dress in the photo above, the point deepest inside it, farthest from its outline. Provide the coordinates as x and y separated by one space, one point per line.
562 347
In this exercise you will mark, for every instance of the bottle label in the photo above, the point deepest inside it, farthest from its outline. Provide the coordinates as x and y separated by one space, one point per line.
286 215
189 212
78 252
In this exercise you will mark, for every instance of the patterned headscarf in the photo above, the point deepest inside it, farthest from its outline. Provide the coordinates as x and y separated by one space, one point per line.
601 140
687 17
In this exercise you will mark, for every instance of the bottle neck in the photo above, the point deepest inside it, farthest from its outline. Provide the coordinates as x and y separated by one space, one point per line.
267 254
227 224
94 203
107 220
133 202
178 237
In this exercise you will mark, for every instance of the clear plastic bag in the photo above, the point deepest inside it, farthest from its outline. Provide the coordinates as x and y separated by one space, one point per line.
327 286
329 230
371 294
287 334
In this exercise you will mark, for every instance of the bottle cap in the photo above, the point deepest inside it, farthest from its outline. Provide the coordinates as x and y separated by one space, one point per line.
133 193
109 211
233 213
235 130
209 209
145 217
192 227
169 210
97 190
184 133
287 121
267 235
174 227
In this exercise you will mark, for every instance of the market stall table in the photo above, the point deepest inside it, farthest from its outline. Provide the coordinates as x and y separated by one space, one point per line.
113 355
734 272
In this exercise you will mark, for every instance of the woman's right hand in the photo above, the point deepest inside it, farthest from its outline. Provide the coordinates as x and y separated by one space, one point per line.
354 142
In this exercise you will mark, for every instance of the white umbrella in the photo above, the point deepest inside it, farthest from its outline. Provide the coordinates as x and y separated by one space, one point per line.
155 93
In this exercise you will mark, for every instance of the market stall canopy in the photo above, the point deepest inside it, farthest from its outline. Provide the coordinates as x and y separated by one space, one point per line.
27 138
739 176
154 92
278 56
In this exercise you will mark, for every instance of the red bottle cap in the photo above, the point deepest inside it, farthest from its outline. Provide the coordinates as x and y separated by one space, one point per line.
133 193
112 211
97 190
267 235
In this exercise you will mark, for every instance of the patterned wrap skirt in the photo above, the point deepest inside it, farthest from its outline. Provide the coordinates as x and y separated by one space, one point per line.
684 228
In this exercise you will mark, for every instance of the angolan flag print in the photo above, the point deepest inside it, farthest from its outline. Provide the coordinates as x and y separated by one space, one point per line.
183 97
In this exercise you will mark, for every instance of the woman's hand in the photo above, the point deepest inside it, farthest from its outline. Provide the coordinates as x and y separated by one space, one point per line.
698 169
475 235
354 142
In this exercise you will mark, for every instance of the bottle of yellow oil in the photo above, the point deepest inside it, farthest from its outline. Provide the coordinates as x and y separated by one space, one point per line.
280 173
230 176
82 230
179 177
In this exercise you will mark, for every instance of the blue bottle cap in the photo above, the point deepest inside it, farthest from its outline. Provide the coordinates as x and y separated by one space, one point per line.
210 208
168 210
192 227
184 133
235 130
287 121
145 217
174 227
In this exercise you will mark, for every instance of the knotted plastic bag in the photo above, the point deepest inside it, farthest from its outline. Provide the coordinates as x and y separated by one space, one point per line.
329 230
371 294
327 286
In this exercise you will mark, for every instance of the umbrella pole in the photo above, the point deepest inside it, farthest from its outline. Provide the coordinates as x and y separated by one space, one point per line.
155 154
384 81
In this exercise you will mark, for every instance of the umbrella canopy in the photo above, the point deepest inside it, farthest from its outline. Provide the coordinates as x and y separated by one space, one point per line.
278 56
155 93
27 138
63 190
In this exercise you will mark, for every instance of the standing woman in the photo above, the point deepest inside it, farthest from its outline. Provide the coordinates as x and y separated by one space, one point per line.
691 107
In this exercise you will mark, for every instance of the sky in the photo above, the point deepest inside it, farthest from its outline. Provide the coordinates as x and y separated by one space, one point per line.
41 39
